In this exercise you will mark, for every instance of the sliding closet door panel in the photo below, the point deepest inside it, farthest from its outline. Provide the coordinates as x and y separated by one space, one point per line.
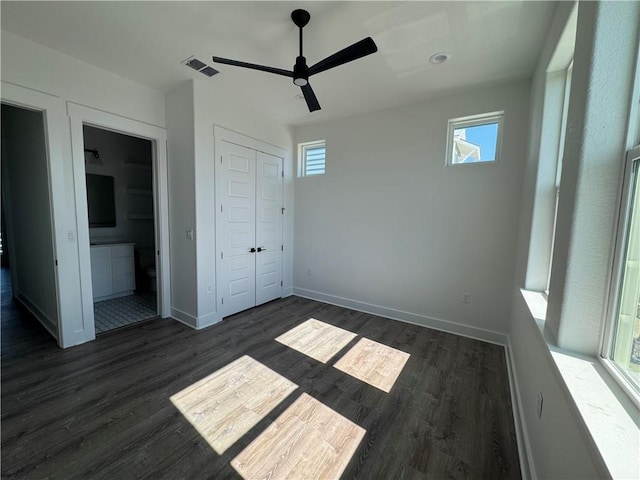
236 207
268 227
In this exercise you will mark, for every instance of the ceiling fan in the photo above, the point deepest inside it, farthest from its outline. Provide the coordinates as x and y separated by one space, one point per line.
301 72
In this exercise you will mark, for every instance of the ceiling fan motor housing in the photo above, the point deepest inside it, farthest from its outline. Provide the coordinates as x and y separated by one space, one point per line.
300 17
301 72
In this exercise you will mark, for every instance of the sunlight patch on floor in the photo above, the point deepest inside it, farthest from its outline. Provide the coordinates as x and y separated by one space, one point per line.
225 405
316 339
309 440
374 363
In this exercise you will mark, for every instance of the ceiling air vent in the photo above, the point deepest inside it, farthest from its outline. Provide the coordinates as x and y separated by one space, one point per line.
200 66
196 64
209 71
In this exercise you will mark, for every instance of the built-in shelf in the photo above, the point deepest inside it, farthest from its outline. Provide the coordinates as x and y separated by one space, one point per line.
139 216
139 191
144 166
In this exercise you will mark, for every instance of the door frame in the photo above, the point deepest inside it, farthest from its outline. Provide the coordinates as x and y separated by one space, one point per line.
79 116
66 262
221 134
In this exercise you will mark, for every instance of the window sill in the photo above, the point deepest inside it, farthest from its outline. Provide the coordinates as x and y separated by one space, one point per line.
609 415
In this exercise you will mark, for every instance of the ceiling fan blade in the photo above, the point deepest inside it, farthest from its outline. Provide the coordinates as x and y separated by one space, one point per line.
358 50
310 97
262 68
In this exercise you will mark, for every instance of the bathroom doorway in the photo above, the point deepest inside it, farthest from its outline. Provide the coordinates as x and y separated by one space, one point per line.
122 232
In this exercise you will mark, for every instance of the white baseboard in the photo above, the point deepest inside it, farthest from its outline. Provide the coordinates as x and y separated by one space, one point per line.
527 468
42 317
208 320
408 317
184 317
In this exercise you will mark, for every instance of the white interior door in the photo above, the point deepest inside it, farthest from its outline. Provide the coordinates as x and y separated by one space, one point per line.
268 227
237 221
249 199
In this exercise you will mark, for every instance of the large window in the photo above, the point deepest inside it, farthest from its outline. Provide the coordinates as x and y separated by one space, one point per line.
312 158
622 342
474 139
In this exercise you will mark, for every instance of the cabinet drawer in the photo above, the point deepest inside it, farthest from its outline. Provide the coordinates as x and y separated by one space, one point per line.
122 251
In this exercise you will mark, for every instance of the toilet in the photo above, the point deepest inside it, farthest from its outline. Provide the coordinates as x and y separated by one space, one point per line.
148 268
150 274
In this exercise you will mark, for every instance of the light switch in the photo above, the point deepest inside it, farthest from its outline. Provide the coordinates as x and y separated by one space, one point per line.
71 236
190 234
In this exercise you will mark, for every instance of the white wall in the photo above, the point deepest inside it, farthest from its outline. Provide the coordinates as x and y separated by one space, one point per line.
228 111
29 212
180 141
559 444
64 80
193 109
595 147
115 151
390 226
32 65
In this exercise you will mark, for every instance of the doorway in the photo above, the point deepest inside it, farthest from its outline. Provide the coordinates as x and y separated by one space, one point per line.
28 249
121 218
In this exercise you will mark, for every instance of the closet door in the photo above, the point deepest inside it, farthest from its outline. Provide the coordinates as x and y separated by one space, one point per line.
268 227
236 202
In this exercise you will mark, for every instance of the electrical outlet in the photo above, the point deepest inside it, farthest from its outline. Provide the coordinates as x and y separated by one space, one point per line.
466 298
540 401
71 236
209 289
190 234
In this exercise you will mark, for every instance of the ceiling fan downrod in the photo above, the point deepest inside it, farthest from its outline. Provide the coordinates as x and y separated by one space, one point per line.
300 70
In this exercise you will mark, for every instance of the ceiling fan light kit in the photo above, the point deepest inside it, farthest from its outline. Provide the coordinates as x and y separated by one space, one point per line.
301 72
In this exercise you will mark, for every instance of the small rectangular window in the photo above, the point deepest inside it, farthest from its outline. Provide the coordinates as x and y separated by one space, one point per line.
312 157
623 346
474 139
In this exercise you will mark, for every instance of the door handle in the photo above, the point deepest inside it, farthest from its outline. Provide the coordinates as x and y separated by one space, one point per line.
261 249
252 250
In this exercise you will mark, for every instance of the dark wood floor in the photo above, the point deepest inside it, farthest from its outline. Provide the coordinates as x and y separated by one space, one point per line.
102 410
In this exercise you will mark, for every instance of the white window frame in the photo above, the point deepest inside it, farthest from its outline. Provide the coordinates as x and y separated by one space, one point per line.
475 121
302 157
620 252
563 132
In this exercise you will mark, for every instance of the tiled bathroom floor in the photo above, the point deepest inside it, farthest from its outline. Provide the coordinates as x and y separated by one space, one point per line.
123 311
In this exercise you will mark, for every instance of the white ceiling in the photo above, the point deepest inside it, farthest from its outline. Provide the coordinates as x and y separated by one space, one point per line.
489 42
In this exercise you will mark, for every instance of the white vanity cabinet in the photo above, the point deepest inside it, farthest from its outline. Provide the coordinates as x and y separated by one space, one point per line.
112 270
